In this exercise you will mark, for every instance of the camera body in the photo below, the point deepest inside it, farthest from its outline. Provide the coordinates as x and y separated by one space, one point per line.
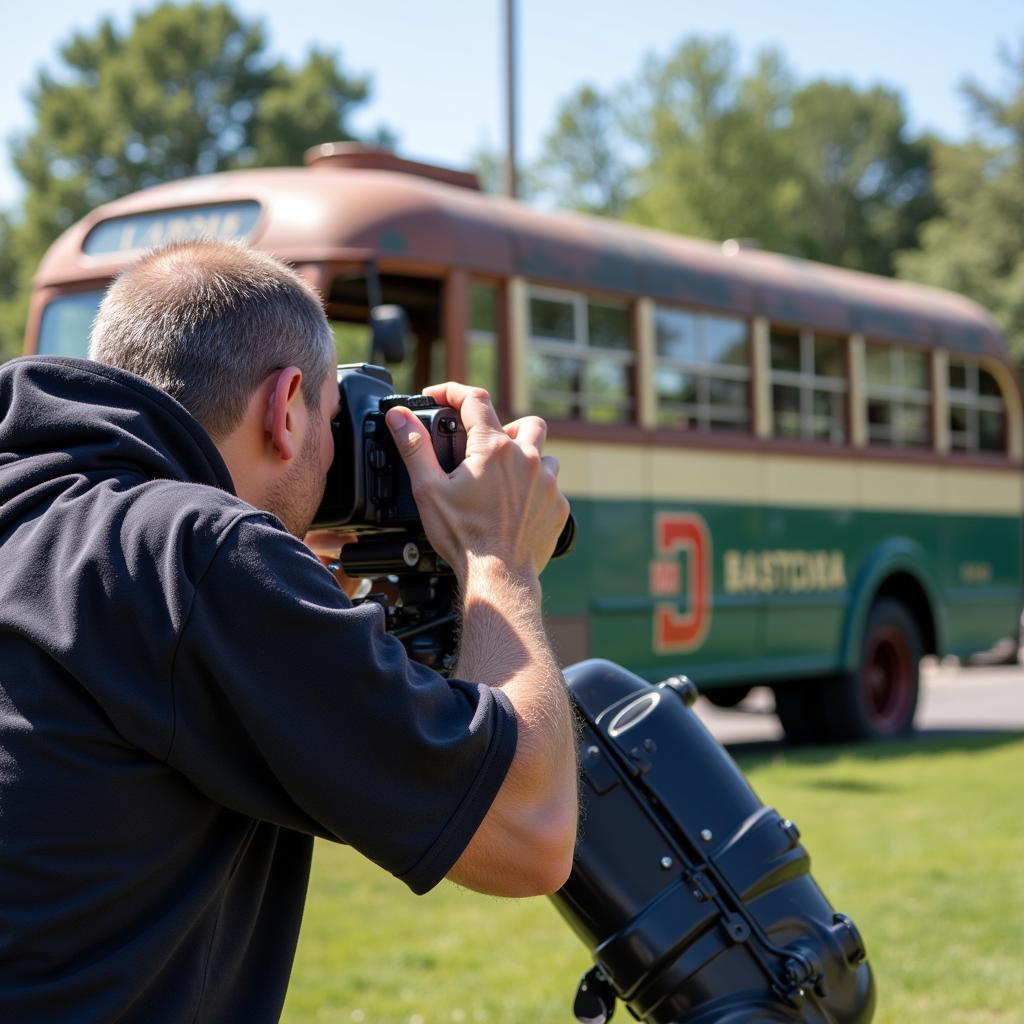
368 491
368 488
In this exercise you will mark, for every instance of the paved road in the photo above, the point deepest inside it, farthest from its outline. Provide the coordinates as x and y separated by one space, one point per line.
952 699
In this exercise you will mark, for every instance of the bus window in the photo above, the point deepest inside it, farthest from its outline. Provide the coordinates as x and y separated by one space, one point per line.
352 345
808 378
351 341
347 305
899 396
977 415
482 339
67 321
581 357
702 374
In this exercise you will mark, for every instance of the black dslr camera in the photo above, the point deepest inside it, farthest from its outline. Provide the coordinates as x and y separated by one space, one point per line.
695 900
368 491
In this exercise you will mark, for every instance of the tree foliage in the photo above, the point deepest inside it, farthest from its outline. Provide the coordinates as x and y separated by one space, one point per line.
864 187
976 244
187 89
582 165
714 161
693 145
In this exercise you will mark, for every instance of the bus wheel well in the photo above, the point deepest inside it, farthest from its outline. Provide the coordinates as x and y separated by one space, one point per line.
903 587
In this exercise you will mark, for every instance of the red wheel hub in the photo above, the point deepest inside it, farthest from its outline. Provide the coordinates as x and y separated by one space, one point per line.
887 679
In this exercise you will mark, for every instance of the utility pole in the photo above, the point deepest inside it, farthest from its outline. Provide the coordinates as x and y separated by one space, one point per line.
510 178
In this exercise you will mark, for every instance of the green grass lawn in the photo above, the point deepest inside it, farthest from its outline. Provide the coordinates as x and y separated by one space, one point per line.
922 844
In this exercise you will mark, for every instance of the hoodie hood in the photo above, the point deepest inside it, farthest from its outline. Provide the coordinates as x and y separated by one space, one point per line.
64 419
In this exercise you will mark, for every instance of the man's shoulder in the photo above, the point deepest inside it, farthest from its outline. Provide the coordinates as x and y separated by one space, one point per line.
203 503
195 520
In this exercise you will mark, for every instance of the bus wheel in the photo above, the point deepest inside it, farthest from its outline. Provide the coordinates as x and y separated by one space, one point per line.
880 699
726 696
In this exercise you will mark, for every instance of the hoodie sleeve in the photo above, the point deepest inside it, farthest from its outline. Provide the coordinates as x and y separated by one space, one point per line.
291 706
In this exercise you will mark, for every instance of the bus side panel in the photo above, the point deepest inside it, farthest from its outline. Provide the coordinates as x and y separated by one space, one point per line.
968 568
634 575
813 554
790 588
980 577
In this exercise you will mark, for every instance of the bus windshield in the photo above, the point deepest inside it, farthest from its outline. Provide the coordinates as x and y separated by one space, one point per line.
66 323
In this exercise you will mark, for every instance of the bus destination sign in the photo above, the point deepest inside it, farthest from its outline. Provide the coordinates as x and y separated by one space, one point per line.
148 230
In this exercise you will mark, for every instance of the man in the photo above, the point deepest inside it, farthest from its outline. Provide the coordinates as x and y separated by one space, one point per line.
187 697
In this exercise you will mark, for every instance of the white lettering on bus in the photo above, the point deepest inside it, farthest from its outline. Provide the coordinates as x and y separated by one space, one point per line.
796 572
168 229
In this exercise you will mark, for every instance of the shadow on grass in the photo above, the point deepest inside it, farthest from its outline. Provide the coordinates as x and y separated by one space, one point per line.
925 742
848 785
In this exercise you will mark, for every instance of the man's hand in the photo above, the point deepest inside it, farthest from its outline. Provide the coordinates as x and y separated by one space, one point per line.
496 518
327 545
501 502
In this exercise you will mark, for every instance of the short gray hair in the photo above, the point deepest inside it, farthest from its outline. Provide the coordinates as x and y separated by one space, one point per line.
207 321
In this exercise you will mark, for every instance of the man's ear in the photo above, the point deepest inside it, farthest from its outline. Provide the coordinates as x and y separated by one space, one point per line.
284 414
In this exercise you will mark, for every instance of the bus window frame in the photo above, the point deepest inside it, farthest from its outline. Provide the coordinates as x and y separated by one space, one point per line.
706 369
977 403
453 314
897 394
450 314
660 436
805 383
627 357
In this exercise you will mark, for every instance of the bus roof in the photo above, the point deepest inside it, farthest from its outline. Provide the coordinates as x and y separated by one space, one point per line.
337 211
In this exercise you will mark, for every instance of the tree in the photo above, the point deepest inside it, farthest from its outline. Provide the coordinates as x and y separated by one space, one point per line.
863 188
1003 118
693 145
488 163
13 289
689 145
976 243
186 90
713 162
582 165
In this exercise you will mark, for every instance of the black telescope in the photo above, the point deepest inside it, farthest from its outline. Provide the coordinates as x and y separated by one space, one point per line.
695 900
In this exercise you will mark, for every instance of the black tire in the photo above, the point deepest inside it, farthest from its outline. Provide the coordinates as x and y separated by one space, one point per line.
726 696
798 705
879 701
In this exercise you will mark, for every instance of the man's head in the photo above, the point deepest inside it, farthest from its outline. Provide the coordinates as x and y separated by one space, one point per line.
242 342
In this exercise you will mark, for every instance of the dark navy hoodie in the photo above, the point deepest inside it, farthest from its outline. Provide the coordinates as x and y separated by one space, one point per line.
186 699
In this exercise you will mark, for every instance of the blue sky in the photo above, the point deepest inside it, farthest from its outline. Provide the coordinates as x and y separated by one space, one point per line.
437 72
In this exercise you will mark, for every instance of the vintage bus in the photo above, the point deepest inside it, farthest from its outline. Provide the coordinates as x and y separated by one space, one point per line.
783 473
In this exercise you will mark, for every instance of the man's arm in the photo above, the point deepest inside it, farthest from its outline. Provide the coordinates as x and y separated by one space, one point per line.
496 519
524 845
